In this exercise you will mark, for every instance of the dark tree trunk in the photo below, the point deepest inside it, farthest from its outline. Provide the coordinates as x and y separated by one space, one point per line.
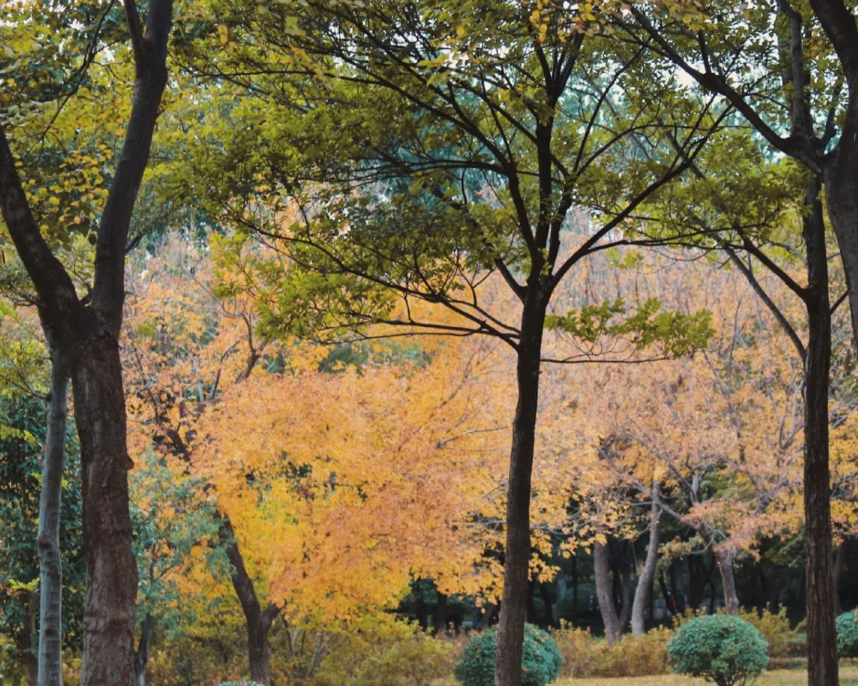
601 570
677 588
697 580
837 575
517 549
821 637
48 537
257 621
111 591
26 649
574 588
648 572
531 602
87 335
545 594
441 614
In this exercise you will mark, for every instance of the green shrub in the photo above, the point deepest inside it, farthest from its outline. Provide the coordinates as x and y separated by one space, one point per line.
240 682
540 661
774 627
847 634
721 648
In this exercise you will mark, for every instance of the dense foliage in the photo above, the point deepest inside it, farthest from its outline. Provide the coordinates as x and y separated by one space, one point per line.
720 648
540 661
847 634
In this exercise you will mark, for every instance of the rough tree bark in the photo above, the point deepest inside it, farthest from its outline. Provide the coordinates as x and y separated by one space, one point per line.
821 635
87 334
517 550
48 535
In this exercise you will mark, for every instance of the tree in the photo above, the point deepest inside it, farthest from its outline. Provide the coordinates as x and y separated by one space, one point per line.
190 390
82 333
24 446
794 101
479 127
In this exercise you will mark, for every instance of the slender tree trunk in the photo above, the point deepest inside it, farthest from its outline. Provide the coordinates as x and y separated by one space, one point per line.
24 642
728 581
837 575
648 572
574 588
601 570
517 550
821 636
141 656
258 621
50 660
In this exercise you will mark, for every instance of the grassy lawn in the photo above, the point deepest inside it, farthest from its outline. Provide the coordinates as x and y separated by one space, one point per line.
776 677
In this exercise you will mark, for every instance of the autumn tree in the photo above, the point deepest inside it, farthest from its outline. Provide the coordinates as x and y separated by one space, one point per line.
390 497
427 145
784 66
82 330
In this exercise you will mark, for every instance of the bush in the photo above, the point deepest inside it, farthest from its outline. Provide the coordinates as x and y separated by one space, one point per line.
240 682
847 634
587 657
385 654
540 661
721 648
774 627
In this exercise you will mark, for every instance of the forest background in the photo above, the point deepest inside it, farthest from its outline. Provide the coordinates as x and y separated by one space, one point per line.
372 244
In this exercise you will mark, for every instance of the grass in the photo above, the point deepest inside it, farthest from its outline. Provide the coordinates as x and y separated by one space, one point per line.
776 677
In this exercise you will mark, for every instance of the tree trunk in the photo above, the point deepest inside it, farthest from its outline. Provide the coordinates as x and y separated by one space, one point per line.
517 550
837 575
24 642
674 571
648 572
108 649
441 614
574 588
821 636
601 570
87 335
141 656
50 660
728 581
549 606
258 621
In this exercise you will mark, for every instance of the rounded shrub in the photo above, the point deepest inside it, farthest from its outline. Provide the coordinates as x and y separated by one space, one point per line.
720 648
540 661
847 634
